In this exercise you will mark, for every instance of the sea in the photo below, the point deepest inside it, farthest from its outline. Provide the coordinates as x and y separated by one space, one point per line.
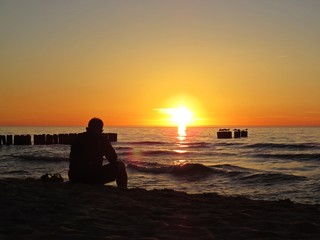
270 164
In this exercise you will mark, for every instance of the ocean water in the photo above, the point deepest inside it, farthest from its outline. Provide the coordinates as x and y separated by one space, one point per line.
271 163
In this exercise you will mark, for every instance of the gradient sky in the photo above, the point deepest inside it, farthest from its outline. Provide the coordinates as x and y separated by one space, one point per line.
231 62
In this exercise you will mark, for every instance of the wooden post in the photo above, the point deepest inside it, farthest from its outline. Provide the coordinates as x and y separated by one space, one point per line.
42 139
2 140
62 138
244 133
55 139
22 139
112 137
237 133
49 139
39 139
224 133
9 139
17 140
27 139
66 138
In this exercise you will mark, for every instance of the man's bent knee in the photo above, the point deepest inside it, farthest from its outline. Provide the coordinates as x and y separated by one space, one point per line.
122 178
121 165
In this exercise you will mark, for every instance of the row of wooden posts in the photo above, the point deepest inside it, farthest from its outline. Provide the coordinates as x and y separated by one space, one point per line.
226 133
46 139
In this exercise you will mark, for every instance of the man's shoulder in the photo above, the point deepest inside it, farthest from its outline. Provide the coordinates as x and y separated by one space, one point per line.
80 136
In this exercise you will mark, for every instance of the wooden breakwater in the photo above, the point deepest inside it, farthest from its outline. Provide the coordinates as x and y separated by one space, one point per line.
227 133
46 139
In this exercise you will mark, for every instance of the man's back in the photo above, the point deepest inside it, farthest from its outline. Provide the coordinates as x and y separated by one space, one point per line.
87 152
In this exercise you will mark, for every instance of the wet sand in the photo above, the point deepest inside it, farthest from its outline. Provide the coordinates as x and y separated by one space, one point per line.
31 209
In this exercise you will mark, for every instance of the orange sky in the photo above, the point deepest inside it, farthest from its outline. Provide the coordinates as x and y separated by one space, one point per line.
234 62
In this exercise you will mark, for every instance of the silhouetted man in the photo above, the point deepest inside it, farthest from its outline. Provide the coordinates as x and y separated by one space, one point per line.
87 154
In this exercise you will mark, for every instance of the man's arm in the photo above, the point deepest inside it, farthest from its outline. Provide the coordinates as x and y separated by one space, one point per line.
110 153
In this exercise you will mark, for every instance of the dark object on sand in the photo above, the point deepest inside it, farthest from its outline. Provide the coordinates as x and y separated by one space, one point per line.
48 177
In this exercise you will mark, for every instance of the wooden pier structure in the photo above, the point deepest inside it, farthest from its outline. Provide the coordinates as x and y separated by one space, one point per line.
46 139
227 133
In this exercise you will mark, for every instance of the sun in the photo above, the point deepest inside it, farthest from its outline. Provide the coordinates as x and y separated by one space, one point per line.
180 116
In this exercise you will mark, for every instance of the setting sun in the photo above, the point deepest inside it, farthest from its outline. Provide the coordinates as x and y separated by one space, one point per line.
180 116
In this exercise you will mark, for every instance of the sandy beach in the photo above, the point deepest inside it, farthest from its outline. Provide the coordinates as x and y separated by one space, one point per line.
31 209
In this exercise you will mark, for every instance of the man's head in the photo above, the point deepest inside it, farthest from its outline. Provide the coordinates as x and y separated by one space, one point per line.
95 125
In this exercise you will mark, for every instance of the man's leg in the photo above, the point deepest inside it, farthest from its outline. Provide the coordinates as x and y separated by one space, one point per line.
122 177
114 171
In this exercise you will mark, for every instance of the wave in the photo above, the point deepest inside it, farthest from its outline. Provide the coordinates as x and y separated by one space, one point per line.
294 146
293 156
247 175
228 144
231 170
136 163
190 168
16 172
41 158
148 143
144 153
157 152
164 152
271 178
197 145
186 169
235 173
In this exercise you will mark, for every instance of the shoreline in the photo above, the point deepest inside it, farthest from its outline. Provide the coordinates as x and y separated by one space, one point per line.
31 209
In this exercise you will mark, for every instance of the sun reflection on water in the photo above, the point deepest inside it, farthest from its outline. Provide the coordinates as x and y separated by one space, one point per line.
180 162
181 137
182 133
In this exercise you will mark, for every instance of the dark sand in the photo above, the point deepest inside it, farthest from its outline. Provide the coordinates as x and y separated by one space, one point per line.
31 209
